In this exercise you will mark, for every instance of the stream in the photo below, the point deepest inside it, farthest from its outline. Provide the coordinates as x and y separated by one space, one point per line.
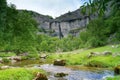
74 73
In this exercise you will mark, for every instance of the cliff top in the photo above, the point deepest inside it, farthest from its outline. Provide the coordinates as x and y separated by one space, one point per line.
70 16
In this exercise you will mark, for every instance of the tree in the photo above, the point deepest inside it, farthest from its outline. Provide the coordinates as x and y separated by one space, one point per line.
100 6
24 32
3 12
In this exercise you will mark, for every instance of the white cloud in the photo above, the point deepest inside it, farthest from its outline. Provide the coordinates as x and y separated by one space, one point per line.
47 7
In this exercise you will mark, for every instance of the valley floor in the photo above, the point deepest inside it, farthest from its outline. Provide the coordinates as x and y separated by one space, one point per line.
102 57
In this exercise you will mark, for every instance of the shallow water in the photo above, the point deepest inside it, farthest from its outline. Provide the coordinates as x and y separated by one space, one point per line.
74 73
96 74
88 75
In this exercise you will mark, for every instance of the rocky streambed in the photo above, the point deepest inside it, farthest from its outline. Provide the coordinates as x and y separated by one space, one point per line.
75 74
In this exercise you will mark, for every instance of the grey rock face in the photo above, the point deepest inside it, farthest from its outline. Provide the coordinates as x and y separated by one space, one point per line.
69 23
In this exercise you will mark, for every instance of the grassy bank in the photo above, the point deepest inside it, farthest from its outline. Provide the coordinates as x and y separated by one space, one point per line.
114 78
80 57
19 74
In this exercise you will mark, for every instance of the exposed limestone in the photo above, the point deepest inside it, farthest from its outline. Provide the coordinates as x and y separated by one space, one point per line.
69 23
107 53
5 67
92 54
43 56
17 58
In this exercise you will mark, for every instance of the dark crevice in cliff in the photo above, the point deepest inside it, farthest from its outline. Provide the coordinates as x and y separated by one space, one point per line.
60 32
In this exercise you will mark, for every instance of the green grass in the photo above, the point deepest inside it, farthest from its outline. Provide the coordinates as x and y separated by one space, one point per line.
6 54
114 78
80 57
19 74
30 56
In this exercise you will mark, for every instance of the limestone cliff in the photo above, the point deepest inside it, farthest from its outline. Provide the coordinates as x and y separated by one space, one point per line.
69 23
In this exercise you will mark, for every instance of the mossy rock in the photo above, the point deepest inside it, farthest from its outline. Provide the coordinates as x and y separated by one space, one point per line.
98 64
60 74
40 76
117 69
60 62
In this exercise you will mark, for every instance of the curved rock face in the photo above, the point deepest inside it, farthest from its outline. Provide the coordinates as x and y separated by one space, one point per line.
69 23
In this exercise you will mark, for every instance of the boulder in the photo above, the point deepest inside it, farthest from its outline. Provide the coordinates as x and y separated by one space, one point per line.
43 56
60 74
40 76
5 67
17 58
116 54
60 62
13 61
92 54
117 69
24 54
107 53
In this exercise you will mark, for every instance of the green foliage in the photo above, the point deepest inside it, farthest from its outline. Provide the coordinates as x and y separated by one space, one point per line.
101 6
30 56
7 54
52 44
3 12
44 46
5 60
113 78
95 34
19 31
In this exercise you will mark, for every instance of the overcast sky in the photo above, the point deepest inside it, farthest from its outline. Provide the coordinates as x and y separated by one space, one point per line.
53 8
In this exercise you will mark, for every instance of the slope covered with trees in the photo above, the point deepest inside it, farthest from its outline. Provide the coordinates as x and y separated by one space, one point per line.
17 29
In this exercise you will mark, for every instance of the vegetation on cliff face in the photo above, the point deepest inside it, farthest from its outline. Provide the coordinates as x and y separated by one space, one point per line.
18 29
